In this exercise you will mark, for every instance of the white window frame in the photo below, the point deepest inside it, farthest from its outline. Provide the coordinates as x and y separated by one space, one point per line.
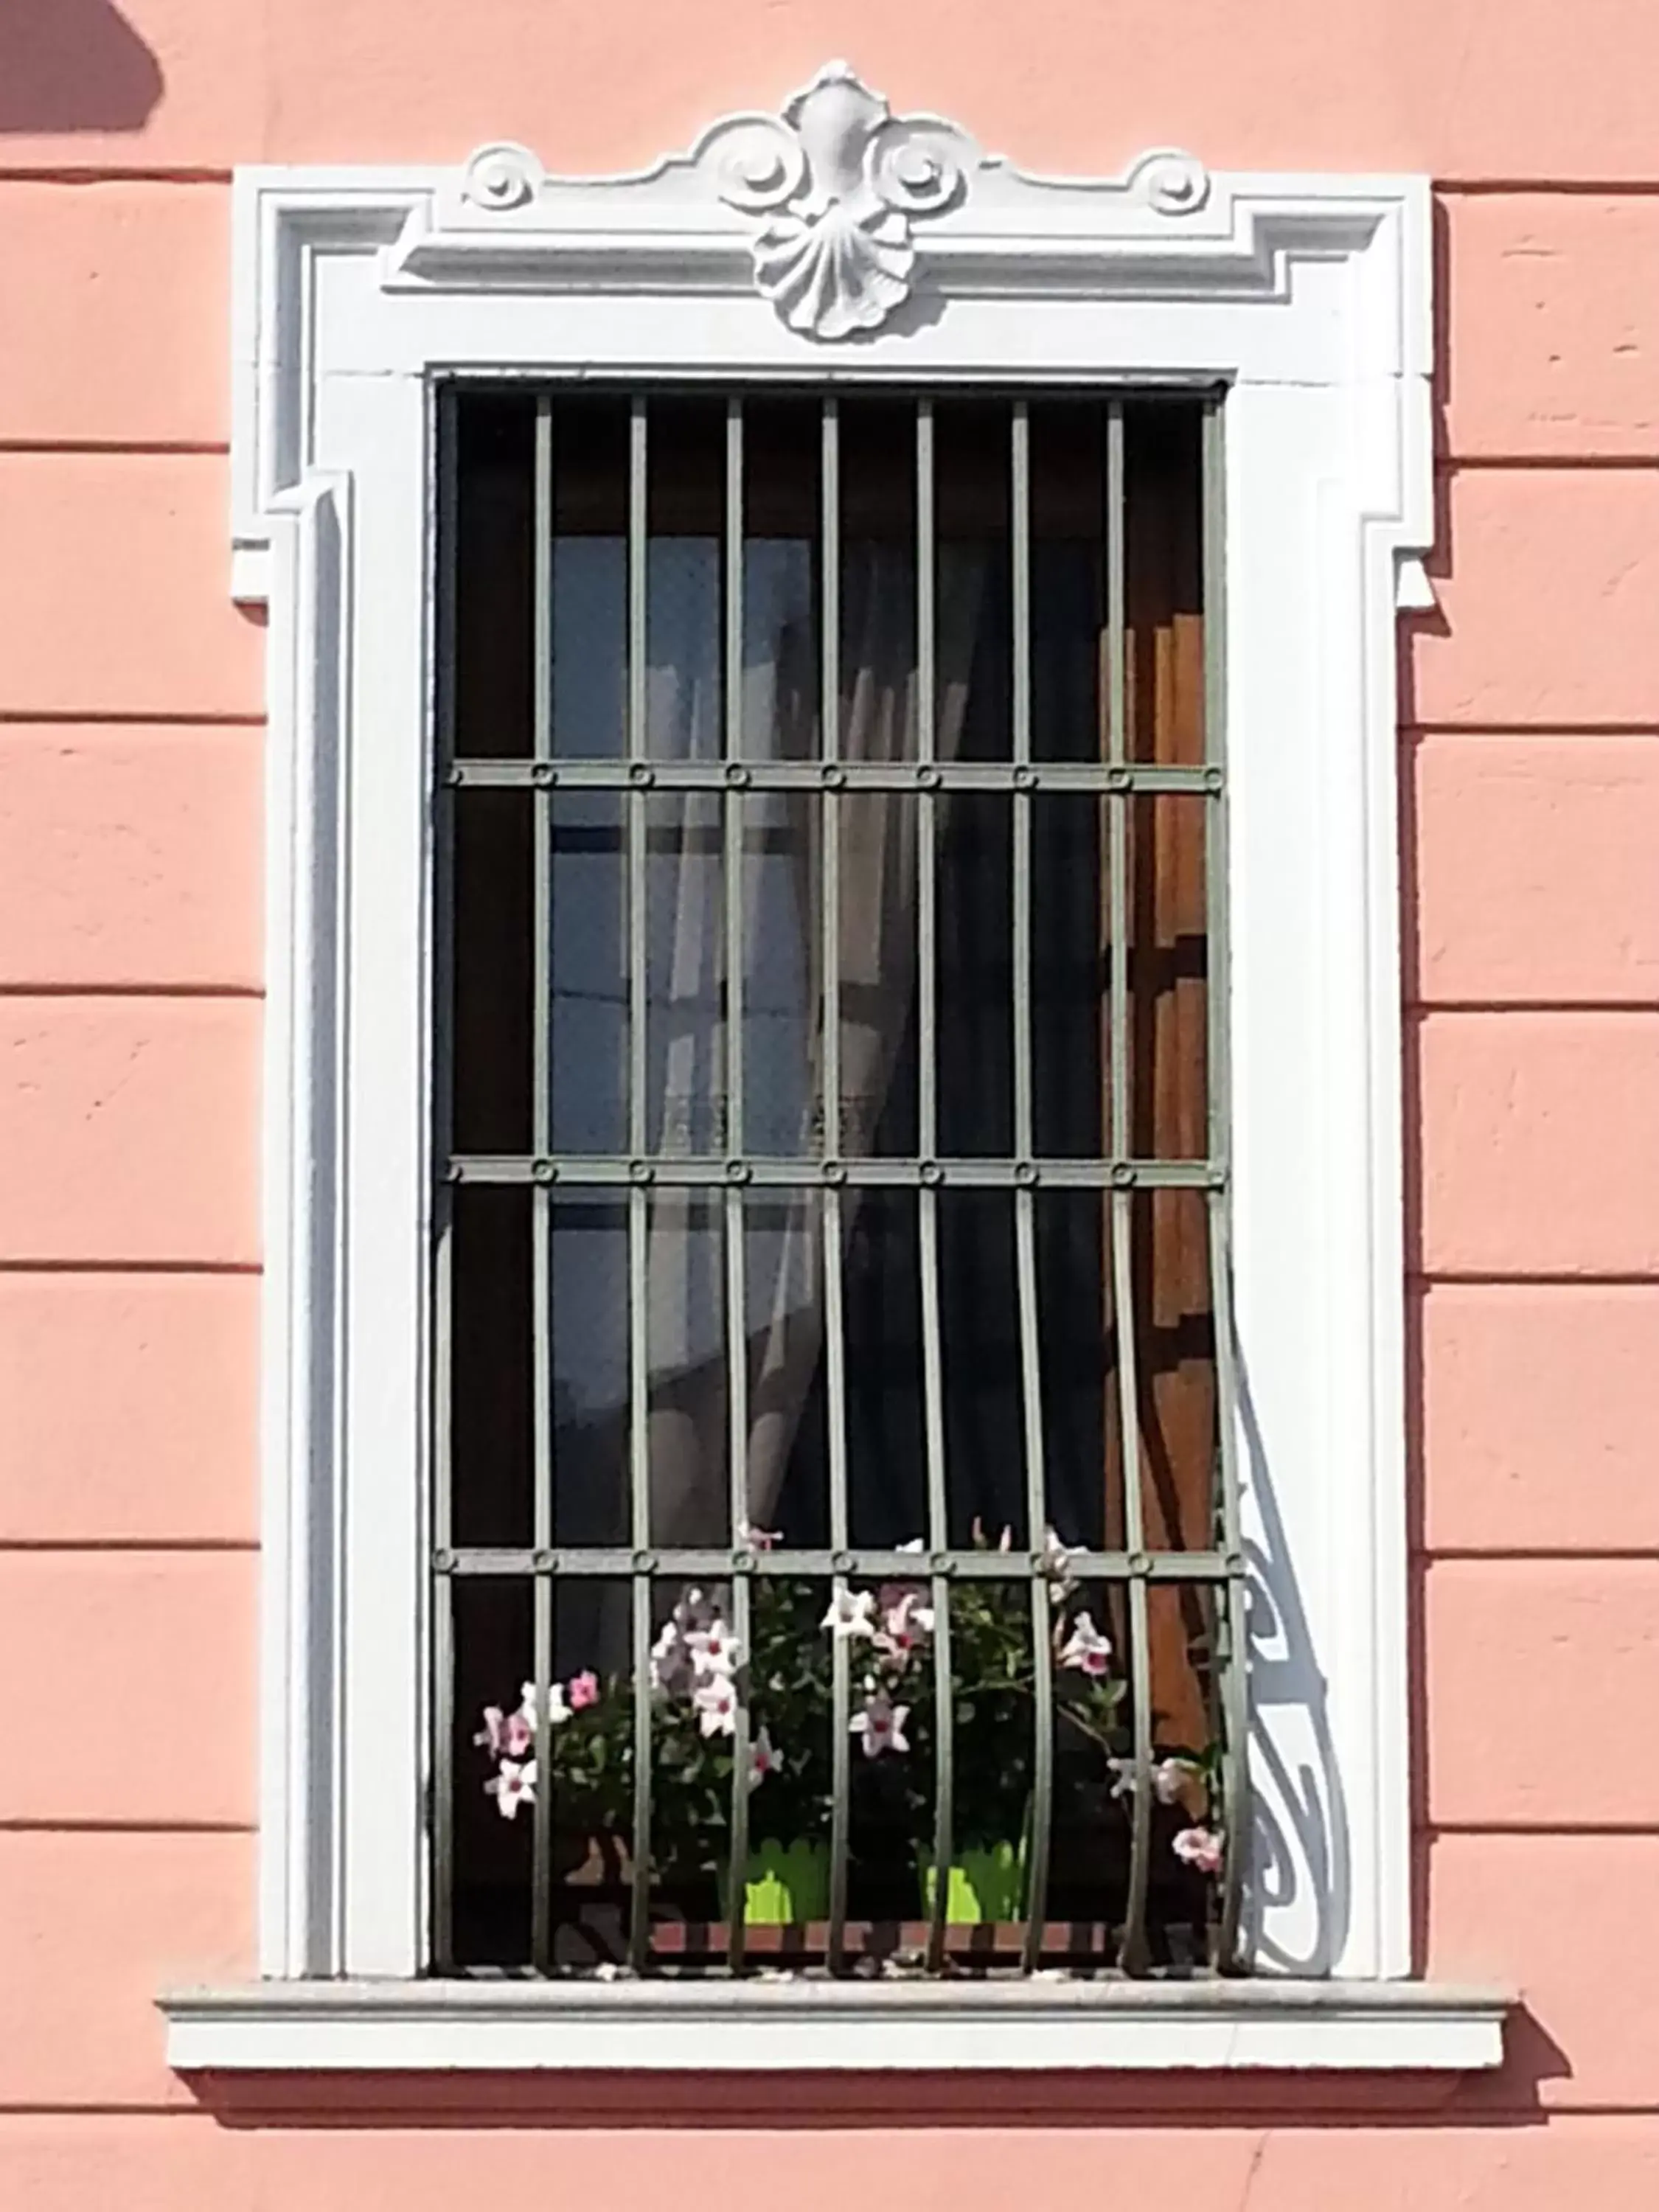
1310 295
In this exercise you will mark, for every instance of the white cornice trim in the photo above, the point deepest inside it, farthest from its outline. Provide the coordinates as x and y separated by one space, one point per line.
806 2026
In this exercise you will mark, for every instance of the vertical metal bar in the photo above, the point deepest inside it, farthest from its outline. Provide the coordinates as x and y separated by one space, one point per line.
1133 1954
830 715
1235 1683
1037 1488
932 1359
736 1335
541 1198
835 1335
638 1378
443 1207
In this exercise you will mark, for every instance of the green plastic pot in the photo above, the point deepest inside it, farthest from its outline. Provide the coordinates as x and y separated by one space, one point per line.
985 1883
785 1885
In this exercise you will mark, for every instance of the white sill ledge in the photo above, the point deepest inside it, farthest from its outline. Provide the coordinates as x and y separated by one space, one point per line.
759 2027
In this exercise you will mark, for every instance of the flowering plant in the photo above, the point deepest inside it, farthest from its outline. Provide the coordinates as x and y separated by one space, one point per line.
701 1677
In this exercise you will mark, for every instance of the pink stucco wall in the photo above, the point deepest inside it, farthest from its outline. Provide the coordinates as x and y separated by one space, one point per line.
130 966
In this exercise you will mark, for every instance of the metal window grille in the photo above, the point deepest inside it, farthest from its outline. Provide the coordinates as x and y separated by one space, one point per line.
552 556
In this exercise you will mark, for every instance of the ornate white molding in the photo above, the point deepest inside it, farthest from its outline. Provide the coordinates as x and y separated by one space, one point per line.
357 291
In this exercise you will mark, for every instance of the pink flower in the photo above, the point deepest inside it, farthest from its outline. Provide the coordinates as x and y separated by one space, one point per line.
881 1725
715 1699
513 1786
1086 1648
493 1734
763 1759
584 1690
758 1540
1199 1847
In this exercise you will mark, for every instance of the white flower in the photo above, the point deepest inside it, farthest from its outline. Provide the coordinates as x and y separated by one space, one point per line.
505 1735
513 1786
763 1759
671 1663
1057 1557
1170 1776
693 1611
714 1649
851 1613
907 1621
715 1699
558 1711
758 1540
881 1725
914 1544
1086 1648
1201 1848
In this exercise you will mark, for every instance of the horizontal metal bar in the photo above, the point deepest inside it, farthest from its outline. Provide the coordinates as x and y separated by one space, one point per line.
689 1561
598 1171
834 776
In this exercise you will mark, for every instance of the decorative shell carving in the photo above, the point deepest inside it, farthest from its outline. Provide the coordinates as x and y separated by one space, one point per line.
841 180
833 188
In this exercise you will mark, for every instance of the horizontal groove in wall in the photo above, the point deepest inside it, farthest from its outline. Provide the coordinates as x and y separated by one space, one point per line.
93 172
1506 1007
1562 187
1521 1555
93 718
1613 1830
186 991
1457 464
48 1266
69 1827
1411 732
119 448
139 1547
1545 1278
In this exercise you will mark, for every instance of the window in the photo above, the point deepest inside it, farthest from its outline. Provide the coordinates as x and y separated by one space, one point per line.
1238 367
836 1150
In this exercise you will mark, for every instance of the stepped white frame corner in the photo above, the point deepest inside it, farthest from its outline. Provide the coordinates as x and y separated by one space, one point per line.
834 243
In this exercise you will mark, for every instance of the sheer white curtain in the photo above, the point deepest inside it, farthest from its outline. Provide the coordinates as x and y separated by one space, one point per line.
784 1111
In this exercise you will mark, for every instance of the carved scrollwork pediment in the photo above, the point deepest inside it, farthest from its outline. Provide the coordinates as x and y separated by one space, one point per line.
834 192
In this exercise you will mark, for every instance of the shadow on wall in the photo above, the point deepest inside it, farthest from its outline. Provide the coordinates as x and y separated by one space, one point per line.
1299 1898
73 66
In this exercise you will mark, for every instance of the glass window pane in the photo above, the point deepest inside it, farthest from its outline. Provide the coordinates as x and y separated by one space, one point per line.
1168 957
685 974
490 1364
782 584
494 588
590 1368
684 1295
975 610
685 691
783 969
490 1031
974 1044
877 580
1068 600
882 1293
1164 582
590 1017
590 577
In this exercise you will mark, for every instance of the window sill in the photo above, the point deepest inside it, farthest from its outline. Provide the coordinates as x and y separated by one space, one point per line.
815 2026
